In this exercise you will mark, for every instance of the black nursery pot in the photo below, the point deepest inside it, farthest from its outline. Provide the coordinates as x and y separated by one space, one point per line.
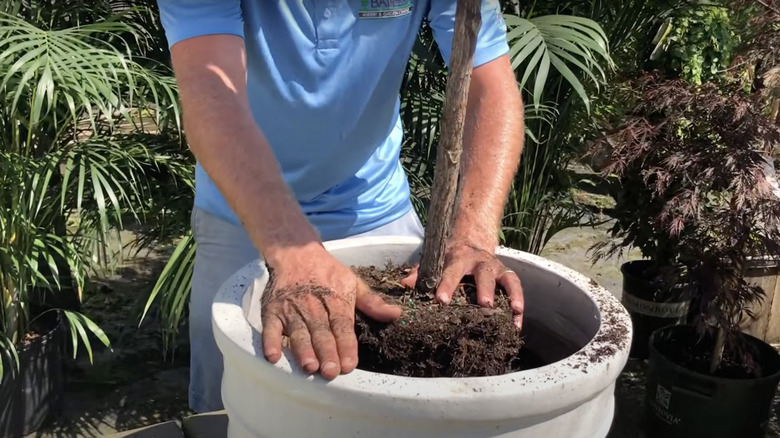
650 307
29 397
685 403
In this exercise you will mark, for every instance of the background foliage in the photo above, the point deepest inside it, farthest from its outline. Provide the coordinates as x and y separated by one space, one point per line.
697 44
89 142
697 192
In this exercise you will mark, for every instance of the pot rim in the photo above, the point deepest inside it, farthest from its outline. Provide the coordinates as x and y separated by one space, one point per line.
654 350
627 266
762 261
464 394
44 338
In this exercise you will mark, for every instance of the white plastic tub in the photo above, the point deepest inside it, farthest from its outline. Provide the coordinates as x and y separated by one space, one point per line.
571 398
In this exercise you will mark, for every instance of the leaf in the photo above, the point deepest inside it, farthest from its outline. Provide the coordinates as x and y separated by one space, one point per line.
8 355
173 288
79 325
75 68
569 76
541 78
567 43
533 65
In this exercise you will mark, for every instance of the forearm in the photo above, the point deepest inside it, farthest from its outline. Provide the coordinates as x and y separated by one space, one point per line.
492 144
233 151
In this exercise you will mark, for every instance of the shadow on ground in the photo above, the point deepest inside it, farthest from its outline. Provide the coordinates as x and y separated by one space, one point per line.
629 402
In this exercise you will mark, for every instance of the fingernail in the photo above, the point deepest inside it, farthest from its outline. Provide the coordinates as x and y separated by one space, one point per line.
518 320
330 367
487 303
444 299
309 365
348 363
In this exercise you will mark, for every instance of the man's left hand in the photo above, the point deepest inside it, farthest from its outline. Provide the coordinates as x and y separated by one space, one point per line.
462 259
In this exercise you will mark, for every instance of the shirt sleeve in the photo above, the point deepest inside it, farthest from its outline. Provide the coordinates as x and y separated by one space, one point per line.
491 40
183 19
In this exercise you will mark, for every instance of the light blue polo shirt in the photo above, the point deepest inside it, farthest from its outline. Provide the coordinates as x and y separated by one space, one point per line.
324 78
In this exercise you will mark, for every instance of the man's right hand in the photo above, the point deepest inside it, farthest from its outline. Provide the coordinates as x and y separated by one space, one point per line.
311 297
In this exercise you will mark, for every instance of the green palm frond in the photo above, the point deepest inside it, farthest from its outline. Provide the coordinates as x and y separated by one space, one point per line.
172 289
28 247
537 115
83 120
80 327
564 43
106 172
103 180
58 78
8 355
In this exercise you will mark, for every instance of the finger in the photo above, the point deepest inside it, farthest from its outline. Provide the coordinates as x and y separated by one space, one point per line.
272 337
450 279
343 328
300 342
514 289
411 279
485 278
374 306
324 344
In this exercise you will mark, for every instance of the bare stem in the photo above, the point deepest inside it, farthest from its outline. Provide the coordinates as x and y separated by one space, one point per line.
444 192
769 6
717 352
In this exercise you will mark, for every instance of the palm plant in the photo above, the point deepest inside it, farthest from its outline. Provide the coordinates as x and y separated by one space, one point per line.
82 146
566 56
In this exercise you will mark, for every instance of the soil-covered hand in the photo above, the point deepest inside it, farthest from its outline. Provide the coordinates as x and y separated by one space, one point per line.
462 259
312 300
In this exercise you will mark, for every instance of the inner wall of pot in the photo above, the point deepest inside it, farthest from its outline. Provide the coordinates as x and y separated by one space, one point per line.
560 318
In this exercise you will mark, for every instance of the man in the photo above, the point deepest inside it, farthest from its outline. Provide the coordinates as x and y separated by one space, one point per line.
291 108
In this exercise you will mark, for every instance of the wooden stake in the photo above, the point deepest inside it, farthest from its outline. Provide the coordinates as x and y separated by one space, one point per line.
444 193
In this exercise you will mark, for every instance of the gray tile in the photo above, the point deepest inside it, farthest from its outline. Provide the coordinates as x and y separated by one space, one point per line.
169 429
209 425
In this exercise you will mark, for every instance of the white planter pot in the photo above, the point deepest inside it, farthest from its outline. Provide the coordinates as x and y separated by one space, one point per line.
573 397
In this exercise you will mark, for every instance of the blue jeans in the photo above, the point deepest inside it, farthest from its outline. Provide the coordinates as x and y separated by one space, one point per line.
223 249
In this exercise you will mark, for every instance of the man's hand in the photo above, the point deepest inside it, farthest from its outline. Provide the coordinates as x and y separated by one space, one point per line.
492 144
462 259
312 299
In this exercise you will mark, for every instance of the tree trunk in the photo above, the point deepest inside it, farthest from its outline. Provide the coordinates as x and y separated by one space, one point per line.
717 351
444 192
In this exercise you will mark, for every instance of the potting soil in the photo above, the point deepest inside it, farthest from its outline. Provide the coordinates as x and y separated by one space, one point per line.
460 339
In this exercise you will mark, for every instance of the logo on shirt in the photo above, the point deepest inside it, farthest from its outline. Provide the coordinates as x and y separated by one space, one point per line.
384 8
